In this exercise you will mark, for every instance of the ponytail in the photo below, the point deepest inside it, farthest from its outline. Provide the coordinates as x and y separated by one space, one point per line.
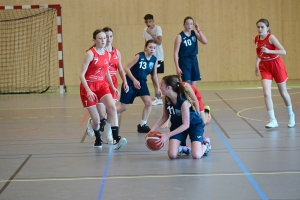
178 87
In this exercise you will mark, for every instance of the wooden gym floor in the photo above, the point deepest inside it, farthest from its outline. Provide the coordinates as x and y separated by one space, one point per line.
44 153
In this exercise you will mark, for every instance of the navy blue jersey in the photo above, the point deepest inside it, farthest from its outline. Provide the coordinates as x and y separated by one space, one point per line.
142 68
196 128
189 45
175 110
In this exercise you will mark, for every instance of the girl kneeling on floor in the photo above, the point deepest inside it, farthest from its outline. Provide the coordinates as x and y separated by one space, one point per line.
185 120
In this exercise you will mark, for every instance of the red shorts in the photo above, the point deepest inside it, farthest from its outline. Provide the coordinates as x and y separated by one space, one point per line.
100 88
273 69
115 82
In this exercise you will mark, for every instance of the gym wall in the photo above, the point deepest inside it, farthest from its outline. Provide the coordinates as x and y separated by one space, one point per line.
229 25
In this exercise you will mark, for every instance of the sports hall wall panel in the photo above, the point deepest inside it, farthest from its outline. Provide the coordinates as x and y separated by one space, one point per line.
229 26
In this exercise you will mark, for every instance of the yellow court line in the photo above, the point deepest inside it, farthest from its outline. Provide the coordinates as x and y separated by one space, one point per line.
152 176
250 97
259 120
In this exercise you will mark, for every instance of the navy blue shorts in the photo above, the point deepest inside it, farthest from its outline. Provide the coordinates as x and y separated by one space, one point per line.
190 68
195 131
128 98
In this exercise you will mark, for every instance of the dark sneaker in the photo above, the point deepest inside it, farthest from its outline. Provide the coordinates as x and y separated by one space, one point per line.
102 124
143 129
98 144
120 142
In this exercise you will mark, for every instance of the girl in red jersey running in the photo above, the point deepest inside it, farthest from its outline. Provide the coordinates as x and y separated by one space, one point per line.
270 65
94 88
115 64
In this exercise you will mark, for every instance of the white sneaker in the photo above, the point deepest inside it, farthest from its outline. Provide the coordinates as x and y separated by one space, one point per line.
291 123
89 129
109 138
272 124
157 102
120 142
206 142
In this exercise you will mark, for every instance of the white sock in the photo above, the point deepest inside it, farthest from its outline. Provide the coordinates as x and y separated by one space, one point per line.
290 110
272 114
143 122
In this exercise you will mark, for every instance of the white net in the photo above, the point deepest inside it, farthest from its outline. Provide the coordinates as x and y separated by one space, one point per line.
28 51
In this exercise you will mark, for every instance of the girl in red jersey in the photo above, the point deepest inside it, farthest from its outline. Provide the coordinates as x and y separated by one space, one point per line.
94 88
270 65
115 64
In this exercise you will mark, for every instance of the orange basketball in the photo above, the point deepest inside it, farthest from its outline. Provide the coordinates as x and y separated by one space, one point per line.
151 140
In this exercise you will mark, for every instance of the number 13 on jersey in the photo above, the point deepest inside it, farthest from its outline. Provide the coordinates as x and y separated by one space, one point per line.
143 65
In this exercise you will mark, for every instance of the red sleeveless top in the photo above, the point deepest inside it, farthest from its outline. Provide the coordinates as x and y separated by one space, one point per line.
114 62
265 43
98 67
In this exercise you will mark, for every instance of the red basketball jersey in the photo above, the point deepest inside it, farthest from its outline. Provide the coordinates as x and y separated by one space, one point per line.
114 62
98 67
264 43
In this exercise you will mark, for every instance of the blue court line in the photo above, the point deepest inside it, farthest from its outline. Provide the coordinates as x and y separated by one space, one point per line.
239 162
105 172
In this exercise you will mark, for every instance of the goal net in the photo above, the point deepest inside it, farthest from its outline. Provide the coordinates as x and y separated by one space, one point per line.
28 50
